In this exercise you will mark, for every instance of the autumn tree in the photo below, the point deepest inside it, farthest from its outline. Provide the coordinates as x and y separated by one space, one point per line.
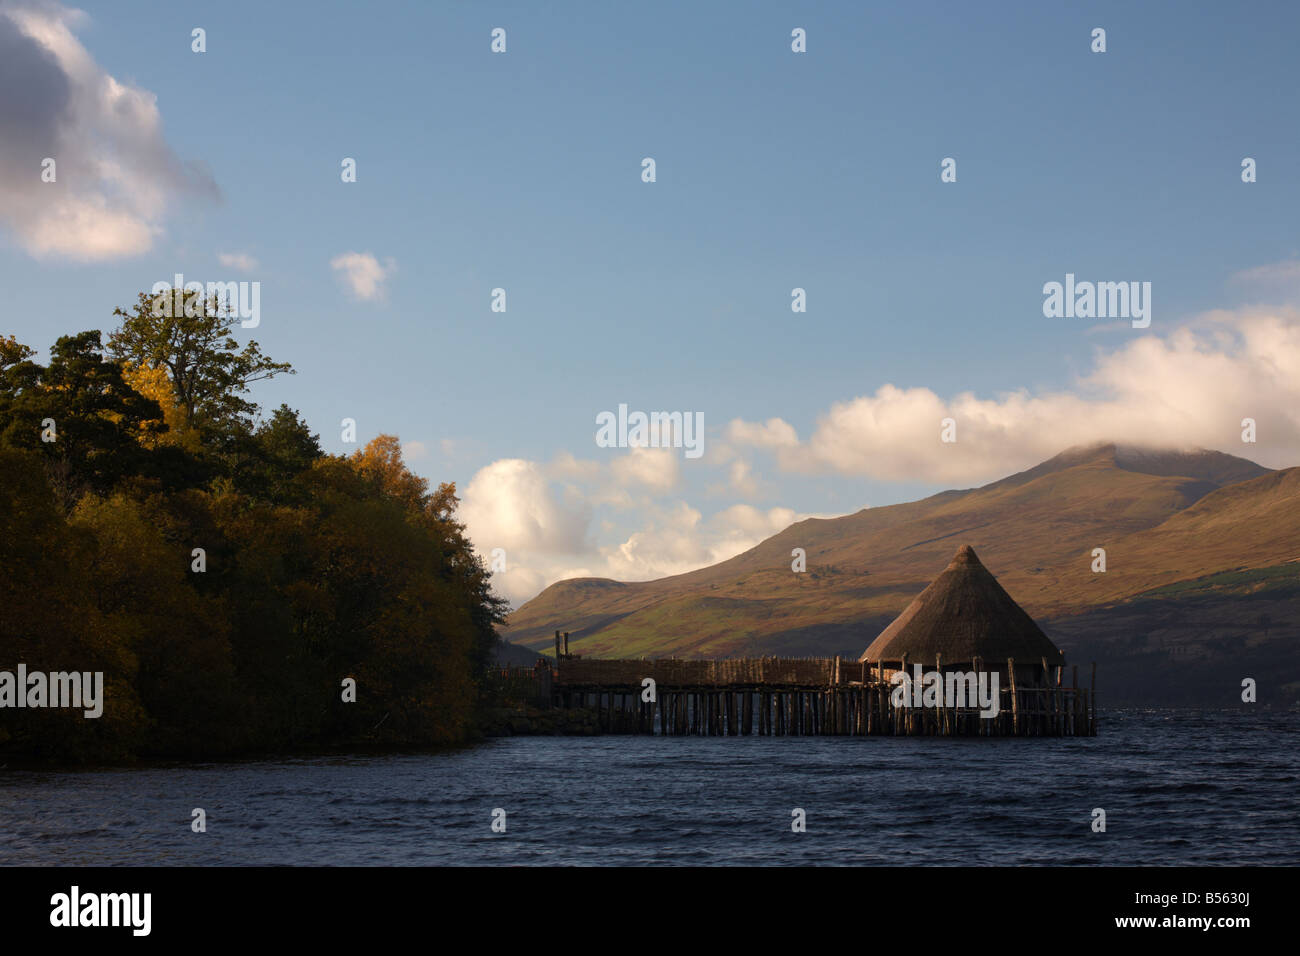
79 413
191 336
314 567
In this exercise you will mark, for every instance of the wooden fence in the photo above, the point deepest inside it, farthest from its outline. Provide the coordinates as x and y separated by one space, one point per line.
816 696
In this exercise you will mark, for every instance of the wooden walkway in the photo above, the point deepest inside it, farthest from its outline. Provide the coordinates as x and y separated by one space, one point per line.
803 696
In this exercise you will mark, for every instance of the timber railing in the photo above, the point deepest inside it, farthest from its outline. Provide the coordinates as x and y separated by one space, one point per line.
520 685
817 696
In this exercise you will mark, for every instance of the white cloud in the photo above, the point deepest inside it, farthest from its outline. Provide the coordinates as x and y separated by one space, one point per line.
414 451
238 260
1190 388
655 468
511 504
115 174
740 479
774 433
1277 272
677 538
363 274
544 517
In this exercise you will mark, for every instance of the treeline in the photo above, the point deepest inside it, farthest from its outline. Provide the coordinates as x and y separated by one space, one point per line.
223 573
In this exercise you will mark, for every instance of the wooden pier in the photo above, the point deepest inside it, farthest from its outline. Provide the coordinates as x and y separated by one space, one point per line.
773 696
963 626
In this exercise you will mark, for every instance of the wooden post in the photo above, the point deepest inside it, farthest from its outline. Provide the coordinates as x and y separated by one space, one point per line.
835 716
941 718
557 645
566 643
1055 694
882 698
1015 704
907 700
1092 701
1074 709
1042 717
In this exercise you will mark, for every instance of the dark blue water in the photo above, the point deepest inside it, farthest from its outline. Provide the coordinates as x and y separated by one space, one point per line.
1177 788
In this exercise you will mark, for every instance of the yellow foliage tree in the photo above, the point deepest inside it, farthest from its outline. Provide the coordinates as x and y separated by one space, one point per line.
156 384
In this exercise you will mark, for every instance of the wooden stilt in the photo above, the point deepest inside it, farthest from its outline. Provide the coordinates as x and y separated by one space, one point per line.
1092 703
1015 704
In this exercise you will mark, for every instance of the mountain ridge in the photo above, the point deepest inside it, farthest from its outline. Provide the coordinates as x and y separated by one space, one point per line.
1164 517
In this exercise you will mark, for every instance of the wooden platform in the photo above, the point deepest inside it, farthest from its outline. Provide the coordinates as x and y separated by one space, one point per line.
802 696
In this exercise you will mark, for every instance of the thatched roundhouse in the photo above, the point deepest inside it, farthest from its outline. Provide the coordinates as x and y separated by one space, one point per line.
962 616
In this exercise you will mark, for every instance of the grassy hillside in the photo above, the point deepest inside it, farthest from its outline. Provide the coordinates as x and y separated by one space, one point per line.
1192 642
1163 518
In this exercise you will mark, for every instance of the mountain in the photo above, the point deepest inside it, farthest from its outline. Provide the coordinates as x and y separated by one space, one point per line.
512 655
1179 528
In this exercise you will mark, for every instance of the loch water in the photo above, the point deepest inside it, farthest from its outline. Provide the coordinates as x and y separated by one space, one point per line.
1177 787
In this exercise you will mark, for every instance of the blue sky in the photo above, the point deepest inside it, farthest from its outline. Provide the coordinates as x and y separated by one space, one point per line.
775 170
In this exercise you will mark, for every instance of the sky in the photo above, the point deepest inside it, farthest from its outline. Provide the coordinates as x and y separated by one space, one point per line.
774 170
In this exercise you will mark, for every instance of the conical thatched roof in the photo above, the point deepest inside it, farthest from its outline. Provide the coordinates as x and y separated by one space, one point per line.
963 614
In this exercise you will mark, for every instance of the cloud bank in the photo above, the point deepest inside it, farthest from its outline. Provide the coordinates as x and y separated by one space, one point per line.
114 176
545 517
1192 387
625 518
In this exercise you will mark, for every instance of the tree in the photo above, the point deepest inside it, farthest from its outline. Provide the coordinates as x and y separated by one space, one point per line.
314 567
48 620
191 337
286 448
12 352
79 413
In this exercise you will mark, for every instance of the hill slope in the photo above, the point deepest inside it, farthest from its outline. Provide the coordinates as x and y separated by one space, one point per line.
1162 516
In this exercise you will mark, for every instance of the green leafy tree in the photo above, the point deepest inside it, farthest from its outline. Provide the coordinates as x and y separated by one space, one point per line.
283 448
192 338
79 413
316 567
